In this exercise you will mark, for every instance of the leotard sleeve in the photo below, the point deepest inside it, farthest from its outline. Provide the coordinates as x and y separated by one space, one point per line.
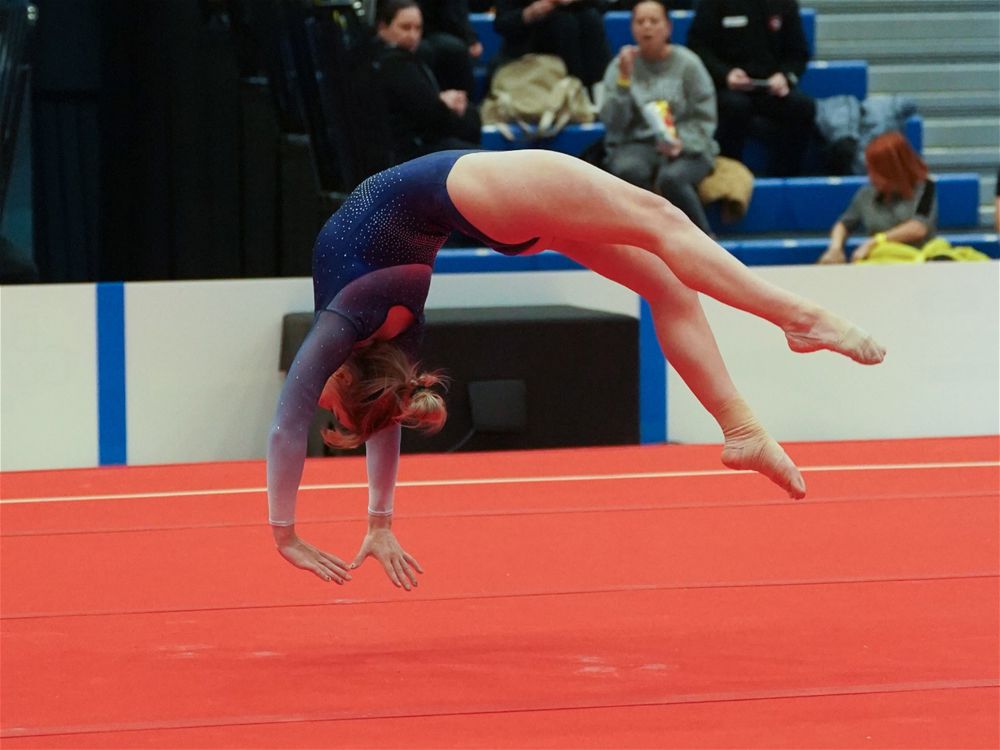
325 348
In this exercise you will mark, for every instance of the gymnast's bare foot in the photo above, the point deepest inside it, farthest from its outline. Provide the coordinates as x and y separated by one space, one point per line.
762 454
749 447
820 329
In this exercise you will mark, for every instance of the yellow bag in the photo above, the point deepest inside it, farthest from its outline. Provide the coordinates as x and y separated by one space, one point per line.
941 249
887 251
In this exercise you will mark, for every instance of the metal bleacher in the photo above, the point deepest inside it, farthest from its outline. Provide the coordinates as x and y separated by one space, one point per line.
789 210
945 56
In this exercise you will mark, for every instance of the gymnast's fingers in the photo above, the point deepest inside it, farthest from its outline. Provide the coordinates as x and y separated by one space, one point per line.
408 571
412 561
397 565
320 571
335 562
332 570
391 572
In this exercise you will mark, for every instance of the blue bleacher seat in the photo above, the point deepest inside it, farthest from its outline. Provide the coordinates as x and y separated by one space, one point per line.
762 252
913 129
571 140
813 204
482 24
825 78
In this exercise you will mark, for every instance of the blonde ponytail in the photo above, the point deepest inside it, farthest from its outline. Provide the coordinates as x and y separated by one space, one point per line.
377 386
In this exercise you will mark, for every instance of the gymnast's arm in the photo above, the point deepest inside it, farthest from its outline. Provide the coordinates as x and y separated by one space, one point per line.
324 350
382 463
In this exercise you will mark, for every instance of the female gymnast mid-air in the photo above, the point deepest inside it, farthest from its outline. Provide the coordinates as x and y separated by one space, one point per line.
372 266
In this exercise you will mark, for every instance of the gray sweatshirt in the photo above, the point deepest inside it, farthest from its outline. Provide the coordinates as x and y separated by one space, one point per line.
681 80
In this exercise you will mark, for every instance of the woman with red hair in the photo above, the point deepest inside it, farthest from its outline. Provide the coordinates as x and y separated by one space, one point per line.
898 204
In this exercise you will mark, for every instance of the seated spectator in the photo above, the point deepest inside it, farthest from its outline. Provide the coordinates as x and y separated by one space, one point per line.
755 51
671 78
898 204
449 43
422 117
571 29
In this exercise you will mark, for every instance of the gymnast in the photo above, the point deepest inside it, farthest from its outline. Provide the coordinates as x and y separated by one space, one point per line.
372 266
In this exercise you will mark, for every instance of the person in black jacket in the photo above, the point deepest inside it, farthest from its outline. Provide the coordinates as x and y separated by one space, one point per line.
422 117
755 51
449 43
570 29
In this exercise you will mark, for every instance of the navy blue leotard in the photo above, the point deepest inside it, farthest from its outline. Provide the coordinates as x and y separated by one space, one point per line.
376 252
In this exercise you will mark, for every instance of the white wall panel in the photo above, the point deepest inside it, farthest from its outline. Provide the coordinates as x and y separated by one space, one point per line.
48 377
202 366
939 322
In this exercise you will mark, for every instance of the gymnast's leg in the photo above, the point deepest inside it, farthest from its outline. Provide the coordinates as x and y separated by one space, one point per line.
518 194
688 343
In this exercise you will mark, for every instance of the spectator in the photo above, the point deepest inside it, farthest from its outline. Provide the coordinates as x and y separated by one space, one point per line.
658 72
449 43
898 204
571 29
422 117
755 51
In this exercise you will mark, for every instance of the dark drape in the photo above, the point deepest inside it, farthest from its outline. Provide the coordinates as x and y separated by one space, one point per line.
158 152
65 139
153 158
171 136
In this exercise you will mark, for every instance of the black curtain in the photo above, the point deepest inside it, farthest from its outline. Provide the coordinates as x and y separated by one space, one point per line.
153 157
65 139
171 136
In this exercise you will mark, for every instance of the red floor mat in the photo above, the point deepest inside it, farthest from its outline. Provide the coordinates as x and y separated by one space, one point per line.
687 611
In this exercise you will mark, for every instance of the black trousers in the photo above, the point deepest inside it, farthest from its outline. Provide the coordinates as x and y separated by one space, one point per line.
448 57
790 120
575 33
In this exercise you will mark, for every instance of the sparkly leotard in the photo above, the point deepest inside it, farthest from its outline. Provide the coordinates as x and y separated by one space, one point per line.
375 253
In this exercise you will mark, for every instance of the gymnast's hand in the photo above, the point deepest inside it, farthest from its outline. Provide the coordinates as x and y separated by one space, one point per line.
381 544
303 555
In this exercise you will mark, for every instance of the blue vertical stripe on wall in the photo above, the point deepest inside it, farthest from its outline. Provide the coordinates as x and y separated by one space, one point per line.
652 381
111 416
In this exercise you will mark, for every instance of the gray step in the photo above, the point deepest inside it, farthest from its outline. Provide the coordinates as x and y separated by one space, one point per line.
903 6
952 103
987 189
876 27
961 131
986 217
967 159
902 50
933 77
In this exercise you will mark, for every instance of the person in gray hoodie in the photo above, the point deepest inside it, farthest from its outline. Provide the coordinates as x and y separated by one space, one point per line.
659 113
